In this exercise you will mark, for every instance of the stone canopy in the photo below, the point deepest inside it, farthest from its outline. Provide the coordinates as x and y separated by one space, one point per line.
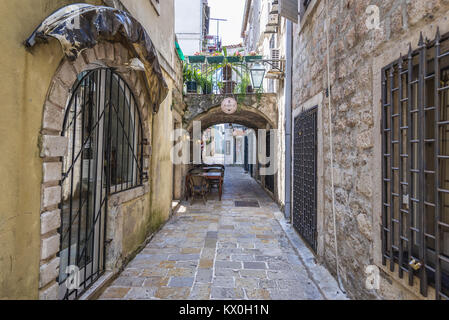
81 26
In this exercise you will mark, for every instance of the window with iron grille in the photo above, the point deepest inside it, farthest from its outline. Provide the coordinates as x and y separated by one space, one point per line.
415 166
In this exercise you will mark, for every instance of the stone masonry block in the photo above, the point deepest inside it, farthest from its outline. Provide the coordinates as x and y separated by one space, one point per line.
79 64
53 117
50 221
59 94
100 51
51 196
51 293
52 171
54 146
67 74
121 53
48 272
109 51
49 246
89 55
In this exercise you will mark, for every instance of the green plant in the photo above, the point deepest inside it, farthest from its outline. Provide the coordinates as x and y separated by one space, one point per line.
237 67
187 73
243 85
259 94
204 82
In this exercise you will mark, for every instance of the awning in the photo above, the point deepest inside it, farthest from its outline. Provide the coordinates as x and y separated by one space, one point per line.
81 26
179 50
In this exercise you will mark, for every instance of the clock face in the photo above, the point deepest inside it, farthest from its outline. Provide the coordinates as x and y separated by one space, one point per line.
229 106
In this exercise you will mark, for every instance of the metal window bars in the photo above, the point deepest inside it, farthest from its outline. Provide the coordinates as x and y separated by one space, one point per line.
104 129
415 166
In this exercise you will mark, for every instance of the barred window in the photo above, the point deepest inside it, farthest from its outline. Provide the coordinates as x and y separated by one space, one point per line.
415 166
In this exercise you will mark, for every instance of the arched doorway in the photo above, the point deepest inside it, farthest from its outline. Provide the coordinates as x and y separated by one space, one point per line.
103 127
253 120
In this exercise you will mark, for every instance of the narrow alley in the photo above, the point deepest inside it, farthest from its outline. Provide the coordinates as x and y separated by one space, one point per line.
223 250
224 150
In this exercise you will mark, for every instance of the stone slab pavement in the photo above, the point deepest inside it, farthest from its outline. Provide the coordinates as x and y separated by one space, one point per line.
220 251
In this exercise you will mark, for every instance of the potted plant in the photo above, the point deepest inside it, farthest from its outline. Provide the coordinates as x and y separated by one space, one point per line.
205 83
197 58
190 77
244 85
237 57
252 57
217 57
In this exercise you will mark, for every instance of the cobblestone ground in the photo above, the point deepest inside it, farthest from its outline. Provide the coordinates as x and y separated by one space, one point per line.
219 251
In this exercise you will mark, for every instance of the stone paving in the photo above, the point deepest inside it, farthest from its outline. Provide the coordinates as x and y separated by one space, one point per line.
220 251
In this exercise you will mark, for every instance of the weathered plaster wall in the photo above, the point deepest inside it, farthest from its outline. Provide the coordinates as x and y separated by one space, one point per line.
161 172
27 77
160 26
356 56
25 81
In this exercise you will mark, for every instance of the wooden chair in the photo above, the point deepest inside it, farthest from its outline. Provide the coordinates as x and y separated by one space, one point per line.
198 186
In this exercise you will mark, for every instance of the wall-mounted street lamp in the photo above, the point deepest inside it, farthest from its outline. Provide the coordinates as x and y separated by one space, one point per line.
257 75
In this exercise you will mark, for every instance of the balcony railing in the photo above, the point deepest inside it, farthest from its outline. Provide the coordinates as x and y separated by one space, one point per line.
232 75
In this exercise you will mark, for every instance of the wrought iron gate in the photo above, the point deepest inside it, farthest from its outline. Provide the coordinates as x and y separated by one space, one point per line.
104 130
305 176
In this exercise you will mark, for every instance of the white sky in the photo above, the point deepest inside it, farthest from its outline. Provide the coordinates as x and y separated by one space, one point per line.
232 10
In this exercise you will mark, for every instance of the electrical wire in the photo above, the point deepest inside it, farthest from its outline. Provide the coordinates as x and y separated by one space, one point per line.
331 143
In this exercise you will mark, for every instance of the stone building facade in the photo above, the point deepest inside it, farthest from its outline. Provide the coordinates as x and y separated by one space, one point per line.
358 49
40 88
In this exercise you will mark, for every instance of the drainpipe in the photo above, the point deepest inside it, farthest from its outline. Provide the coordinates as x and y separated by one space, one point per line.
288 119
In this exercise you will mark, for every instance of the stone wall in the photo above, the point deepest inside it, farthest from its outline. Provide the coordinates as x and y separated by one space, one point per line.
356 56
264 104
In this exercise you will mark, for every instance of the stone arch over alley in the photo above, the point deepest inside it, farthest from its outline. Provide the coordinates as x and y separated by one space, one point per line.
255 111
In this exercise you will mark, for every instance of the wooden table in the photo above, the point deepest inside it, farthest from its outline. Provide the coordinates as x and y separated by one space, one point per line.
211 176
215 176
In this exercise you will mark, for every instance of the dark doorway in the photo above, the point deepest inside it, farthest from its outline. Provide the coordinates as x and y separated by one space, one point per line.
305 176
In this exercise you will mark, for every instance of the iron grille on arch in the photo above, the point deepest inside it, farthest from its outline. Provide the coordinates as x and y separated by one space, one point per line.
415 166
104 129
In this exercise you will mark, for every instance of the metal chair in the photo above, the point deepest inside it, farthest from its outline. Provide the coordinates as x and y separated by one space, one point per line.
198 186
